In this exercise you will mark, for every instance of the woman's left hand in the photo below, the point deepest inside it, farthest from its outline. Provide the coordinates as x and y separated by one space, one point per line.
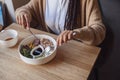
64 37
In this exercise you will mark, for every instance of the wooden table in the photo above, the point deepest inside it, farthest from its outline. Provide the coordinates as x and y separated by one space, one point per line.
73 61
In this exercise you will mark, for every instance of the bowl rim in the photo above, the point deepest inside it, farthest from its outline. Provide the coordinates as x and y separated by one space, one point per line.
13 31
31 37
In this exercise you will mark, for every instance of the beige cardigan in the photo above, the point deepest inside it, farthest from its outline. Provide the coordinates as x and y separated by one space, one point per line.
90 27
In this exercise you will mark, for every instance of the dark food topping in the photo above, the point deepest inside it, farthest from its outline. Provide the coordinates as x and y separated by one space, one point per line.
36 42
37 51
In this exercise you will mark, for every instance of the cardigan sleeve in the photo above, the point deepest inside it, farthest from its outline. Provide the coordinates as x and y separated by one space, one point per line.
93 32
29 9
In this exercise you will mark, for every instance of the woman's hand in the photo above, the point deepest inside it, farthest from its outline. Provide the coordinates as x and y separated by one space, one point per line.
64 37
23 19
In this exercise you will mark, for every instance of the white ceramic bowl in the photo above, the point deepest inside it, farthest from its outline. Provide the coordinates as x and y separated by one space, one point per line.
7 34
41 60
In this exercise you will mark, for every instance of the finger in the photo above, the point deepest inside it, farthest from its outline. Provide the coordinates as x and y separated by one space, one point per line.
27 22
61 38
17 19
60 41
28 25
57 40
22 20
70 35
65 36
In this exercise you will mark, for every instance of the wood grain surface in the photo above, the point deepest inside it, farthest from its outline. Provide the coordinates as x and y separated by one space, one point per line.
73 61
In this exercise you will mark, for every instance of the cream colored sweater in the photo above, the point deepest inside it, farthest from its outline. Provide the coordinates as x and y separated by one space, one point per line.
90 27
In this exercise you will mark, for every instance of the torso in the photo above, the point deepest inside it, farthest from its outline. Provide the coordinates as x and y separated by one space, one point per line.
55 14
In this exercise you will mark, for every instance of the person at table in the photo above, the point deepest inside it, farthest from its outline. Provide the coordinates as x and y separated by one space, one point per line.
69 19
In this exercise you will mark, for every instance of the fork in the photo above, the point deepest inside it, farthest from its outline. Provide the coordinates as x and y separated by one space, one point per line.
32 33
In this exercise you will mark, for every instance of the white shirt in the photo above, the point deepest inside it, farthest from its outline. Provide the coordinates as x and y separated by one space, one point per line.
55 14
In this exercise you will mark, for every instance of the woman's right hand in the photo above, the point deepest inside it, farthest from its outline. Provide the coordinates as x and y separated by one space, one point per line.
23 19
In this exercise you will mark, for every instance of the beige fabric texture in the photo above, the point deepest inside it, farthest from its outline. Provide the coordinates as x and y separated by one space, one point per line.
90 27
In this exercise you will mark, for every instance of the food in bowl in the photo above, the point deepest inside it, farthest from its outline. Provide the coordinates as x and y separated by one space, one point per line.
26 49
8 38
28 46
